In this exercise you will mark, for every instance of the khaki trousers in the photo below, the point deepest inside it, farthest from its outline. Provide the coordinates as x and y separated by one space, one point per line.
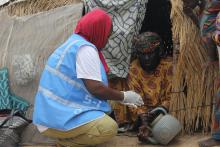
93 133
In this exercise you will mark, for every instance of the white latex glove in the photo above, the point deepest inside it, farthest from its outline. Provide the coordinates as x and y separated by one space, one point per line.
131 98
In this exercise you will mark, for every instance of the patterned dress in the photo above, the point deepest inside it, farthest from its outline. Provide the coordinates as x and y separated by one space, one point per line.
154 88
208 23
216 116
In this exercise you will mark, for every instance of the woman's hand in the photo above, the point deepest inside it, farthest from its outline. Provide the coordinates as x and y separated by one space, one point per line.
131 97
143 133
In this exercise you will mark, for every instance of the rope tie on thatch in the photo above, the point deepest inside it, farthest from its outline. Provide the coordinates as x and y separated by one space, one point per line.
189 108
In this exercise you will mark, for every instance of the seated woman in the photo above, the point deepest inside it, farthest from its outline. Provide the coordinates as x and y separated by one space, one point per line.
149 75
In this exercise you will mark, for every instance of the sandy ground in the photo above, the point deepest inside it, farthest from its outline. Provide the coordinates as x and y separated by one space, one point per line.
181 141
125 141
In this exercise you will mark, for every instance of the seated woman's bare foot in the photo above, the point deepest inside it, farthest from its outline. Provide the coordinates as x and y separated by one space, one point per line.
209 143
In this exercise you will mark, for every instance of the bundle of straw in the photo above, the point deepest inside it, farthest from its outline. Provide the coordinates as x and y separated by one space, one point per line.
193 82
28 7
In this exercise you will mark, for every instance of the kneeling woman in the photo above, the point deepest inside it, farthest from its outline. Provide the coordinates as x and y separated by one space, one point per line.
71 101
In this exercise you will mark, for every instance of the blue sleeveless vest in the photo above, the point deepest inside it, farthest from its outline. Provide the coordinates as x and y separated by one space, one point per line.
62 101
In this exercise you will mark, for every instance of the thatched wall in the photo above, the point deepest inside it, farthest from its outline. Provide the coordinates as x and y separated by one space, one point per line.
194 83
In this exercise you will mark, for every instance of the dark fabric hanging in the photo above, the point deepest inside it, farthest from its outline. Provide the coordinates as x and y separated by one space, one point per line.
157 19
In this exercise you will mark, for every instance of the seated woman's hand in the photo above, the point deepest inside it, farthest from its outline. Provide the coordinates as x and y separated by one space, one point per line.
143 133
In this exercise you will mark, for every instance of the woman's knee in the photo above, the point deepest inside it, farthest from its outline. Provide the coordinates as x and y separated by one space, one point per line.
108 126
104 130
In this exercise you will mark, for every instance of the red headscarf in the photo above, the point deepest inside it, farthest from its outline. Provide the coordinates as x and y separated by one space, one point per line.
95 27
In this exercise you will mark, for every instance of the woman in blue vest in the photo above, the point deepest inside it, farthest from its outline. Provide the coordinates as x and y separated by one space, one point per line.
71 102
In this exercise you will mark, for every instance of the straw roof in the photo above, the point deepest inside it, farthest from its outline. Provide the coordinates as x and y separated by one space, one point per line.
27 7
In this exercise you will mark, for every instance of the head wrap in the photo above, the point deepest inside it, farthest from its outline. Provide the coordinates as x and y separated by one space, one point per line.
147 42
148 45
95 27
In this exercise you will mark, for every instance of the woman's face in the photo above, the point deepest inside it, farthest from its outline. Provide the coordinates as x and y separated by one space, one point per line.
149 61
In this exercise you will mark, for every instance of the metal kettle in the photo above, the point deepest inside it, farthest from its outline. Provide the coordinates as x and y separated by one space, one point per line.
164 128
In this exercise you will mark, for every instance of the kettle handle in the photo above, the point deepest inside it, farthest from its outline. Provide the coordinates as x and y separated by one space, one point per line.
152 140
159 108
